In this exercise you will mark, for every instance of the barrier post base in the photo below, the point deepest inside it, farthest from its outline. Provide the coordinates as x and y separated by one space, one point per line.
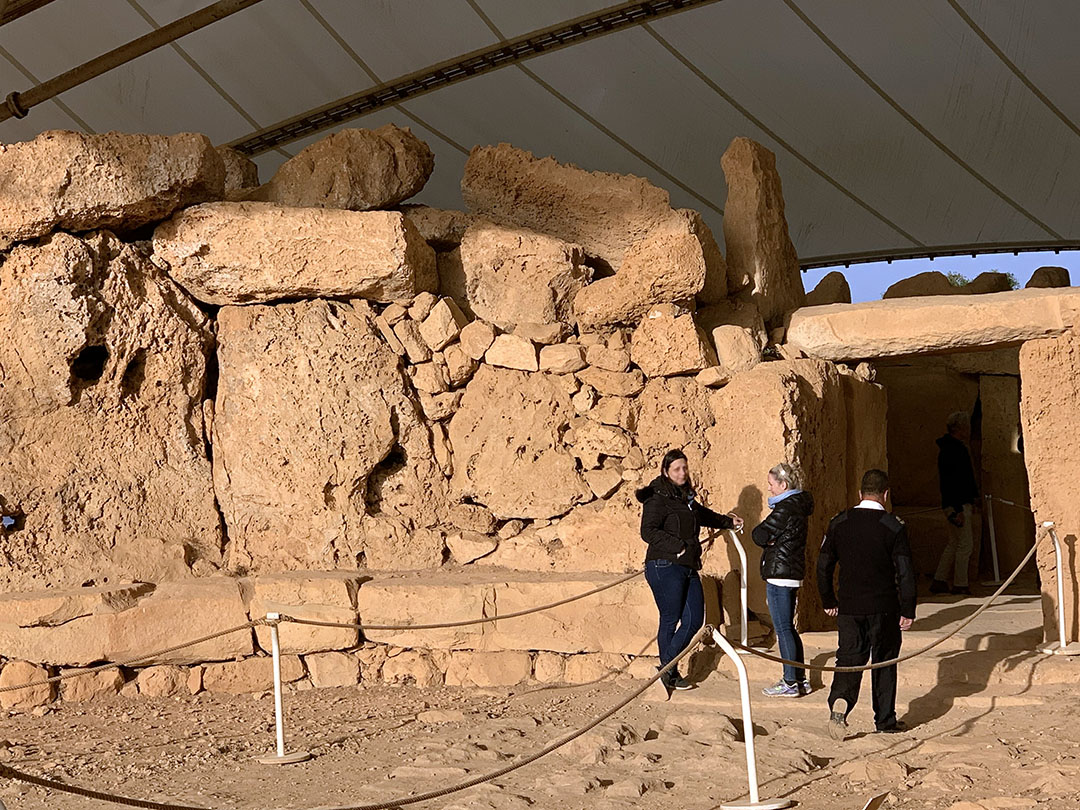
775 804
1055 648
284 759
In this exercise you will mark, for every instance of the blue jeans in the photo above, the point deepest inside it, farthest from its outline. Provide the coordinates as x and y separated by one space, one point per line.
782 609
681 602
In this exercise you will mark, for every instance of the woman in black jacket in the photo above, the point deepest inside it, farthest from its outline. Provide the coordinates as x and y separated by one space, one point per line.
670 520
782 537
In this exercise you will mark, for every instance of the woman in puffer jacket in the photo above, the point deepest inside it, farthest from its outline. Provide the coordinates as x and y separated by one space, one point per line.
671 518
782 537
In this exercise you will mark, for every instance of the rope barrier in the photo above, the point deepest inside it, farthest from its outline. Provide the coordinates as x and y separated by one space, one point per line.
464 622
907 656
695 641
129 661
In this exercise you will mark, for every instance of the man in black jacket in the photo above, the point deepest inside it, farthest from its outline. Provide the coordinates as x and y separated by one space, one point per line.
876 601
958 495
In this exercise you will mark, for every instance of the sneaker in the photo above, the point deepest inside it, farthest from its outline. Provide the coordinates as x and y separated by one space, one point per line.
962 590
805 688
782 689
838 719
899 727
680 683
939 586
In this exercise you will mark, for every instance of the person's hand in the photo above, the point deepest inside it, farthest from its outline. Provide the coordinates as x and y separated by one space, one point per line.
905 623
835 611
736 521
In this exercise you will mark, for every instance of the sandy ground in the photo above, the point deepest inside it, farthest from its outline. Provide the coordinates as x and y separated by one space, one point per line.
994 725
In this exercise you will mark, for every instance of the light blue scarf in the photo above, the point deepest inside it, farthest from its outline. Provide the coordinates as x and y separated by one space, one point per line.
775 499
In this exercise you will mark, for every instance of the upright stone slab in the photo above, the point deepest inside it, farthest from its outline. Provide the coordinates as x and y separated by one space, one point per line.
832 289
356 169
77 182
762 264
252 252
103 447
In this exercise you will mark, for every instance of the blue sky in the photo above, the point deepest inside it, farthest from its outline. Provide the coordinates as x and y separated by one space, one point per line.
869 281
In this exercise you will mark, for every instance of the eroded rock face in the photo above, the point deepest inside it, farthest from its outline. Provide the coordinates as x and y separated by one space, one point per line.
668 342
135 180
832 289
356 169
241 172
762 264
334 467
1049 277
103 450
515 276
605 213
507 445
252 252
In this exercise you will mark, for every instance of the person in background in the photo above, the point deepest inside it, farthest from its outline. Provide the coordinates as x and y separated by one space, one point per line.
958 495
876 601
671 519
782 537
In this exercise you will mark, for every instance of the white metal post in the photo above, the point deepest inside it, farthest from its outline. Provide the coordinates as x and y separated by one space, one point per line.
748 735
280 758
1061 646
993 541
743 592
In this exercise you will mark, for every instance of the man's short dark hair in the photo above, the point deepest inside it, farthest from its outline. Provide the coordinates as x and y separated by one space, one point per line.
874 482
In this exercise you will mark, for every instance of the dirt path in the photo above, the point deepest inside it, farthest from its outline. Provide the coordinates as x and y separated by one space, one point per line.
376 743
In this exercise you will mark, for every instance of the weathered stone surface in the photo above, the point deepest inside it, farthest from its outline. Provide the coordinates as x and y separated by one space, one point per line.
1049 404
102 438
667 343
562 358
249 675
603 482
990 282
618 411
163 681
487 669
673 413
665 266
136 180
437 407
335 462
469 546
714 289
476 339
736 349
241 172
442 324
1049 277
932 282
832 289
604 213
515 276
608 359
714 377
19 672
91 685
918 325
592 668
357 169
410 667
511 351
420 307
612 383
325 596
548 667
471 517
429 378
459 366
762 264
620 620
407 331
507 433
442 228
546 334
590 441
331 669
734 313
251 252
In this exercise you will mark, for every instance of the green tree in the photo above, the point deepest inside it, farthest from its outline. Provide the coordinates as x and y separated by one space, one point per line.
958 279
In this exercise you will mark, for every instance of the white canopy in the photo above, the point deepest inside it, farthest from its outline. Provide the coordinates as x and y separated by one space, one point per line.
900 128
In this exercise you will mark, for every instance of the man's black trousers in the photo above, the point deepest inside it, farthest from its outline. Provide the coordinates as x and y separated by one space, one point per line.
876 637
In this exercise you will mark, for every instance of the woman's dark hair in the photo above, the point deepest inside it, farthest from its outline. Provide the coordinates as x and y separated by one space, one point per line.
670 457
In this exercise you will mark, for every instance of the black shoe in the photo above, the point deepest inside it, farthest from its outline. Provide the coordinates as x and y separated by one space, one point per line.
899 727
939 586
680 683
838 719
962 591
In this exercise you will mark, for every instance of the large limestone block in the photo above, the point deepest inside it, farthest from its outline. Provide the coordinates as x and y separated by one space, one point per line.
356 169
488 669
604 213
674 413
932 282
832 289
91 685
736 348
511 351
165 615
20 672
714 290
515 276
734 313
613 383
430 597
162 681
1049 408
241 173
334 468
249 675
325 596
665 266
331 669
254 252
667 342
507 435
443 229
762 264
103 449
1049 277
923 325
77 182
